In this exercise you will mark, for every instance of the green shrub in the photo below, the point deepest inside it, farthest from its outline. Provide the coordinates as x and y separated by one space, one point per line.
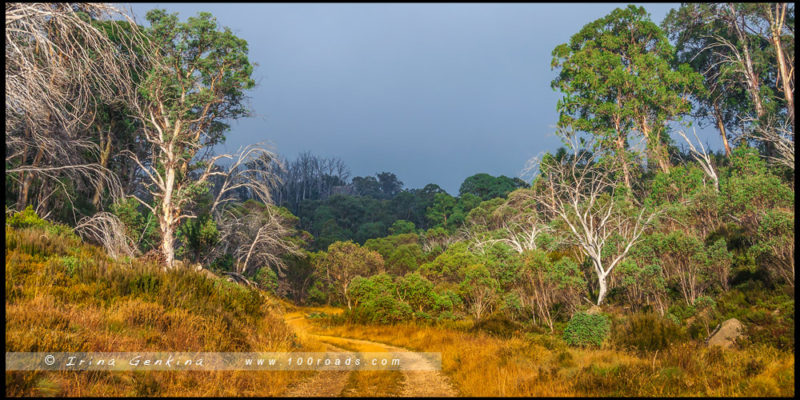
446 316
141 227
587 329
28 218
70 263
317 315
512 306
267 278
365 289
198 235
446 301
647 332
417 291
402 226
383 309
318 293
422 316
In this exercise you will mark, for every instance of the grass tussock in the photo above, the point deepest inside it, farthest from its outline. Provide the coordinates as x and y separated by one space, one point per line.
65 296
540 365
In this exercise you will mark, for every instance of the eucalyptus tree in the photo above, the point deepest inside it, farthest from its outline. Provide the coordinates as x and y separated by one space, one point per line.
745 53
766 31
617 76
197 85
582 197
342 263
780 17
696 30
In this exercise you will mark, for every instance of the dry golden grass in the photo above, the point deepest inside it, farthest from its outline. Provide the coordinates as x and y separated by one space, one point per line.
369 383
483 365
360 383
64 296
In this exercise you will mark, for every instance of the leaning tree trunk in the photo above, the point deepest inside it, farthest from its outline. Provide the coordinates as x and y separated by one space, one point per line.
785 75
722 132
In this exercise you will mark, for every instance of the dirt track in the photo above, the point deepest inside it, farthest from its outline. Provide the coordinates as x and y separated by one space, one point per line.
331 383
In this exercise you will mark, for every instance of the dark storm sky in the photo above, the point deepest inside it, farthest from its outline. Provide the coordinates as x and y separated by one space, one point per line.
431 92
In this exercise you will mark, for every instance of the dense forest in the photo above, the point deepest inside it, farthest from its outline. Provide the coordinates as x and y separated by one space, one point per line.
633 231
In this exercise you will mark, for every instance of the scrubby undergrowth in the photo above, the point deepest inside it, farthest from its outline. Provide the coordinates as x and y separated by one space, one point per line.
65 296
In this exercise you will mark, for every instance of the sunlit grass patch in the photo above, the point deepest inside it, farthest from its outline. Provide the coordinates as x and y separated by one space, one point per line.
542 365
65 296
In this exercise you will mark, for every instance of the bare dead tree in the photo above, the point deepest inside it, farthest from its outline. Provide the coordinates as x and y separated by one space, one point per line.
59 68
519 233
255 170
581 195
778 134
309 177
702 157
256 238
107 230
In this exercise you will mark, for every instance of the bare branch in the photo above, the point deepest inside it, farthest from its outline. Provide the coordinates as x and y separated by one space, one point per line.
581 195
107 230
702 158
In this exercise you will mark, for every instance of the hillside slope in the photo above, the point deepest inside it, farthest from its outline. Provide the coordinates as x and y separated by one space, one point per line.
64 295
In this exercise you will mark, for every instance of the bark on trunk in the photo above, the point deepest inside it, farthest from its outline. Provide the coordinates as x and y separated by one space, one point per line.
722 132
27 180
167 219
625 173
168 245
104 155
603 289
654 145
755 87
751 78
784 73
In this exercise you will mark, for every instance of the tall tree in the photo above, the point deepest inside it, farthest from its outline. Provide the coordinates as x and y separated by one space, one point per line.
309 177
199 84
780 17
390 185
442 208
746 55
695 28
343 262
617 76
367 186
488 187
